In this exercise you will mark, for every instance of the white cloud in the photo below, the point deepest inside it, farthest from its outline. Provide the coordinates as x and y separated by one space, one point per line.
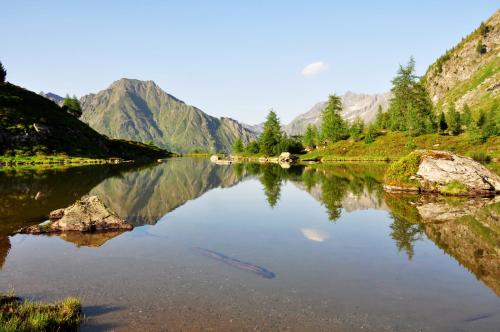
314 68
316 235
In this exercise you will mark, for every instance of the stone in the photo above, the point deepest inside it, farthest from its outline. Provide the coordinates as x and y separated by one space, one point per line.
88 214
41 128
287 157
439 170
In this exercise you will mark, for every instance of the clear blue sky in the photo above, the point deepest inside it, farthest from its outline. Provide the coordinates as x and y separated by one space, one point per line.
229 58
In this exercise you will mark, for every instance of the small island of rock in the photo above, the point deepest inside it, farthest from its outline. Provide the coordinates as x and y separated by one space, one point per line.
88 214
441 172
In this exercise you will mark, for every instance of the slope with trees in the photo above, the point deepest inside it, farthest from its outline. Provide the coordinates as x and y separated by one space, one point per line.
468 73
31 125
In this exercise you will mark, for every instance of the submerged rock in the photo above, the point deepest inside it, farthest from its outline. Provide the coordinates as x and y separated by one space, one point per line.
88 214
441 172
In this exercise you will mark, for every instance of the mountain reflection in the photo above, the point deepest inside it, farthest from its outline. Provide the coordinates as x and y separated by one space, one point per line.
143 197
466 229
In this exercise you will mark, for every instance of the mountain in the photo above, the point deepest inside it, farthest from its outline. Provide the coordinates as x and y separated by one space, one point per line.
52 96
32 124
469 73
256 129
141 110
363 105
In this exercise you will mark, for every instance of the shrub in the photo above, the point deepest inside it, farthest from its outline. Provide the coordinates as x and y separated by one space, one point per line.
481 157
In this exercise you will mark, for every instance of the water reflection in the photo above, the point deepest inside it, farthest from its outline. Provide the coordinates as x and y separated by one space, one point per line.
466 229
28 195
145 196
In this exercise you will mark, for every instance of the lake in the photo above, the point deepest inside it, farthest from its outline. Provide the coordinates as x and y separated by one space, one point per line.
255 247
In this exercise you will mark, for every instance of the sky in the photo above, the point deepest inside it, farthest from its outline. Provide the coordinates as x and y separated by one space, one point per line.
230 58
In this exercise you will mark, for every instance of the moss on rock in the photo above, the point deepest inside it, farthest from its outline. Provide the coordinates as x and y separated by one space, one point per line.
400 173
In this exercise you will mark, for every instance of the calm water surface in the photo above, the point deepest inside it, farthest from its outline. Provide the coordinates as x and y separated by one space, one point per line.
251 247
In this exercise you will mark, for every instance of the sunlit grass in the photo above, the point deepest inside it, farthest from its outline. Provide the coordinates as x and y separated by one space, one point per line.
18 315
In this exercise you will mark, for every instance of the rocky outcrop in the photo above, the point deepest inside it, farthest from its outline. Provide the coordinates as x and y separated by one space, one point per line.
441 172
88 214
468 73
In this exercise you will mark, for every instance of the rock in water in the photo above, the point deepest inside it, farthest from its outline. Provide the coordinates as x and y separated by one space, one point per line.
88 214
441 172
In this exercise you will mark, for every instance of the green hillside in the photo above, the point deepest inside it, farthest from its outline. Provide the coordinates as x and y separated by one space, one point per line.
33 125
469 73
142 111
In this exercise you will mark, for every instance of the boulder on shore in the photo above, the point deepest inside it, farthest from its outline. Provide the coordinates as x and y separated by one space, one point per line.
441 172
88 214
287 158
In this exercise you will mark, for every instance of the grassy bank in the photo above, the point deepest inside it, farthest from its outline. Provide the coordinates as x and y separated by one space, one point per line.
18 315
392 146
43 161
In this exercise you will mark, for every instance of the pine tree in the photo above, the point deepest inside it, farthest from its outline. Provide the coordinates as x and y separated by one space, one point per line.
252 147
72 106
3 73
481 119
371 134
333 127
475 134
356 129
466 116
491 125
443 126
238 146
271 135
310 137
453 120
410 106
381 118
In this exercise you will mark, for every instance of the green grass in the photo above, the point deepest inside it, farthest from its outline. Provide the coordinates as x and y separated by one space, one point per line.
47 160
454 188
18 315
392 146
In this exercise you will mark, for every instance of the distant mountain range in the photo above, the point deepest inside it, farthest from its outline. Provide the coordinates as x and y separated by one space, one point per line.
140 110
354 104
52 96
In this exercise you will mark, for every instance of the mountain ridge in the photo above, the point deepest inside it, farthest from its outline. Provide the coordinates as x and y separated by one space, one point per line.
141 110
